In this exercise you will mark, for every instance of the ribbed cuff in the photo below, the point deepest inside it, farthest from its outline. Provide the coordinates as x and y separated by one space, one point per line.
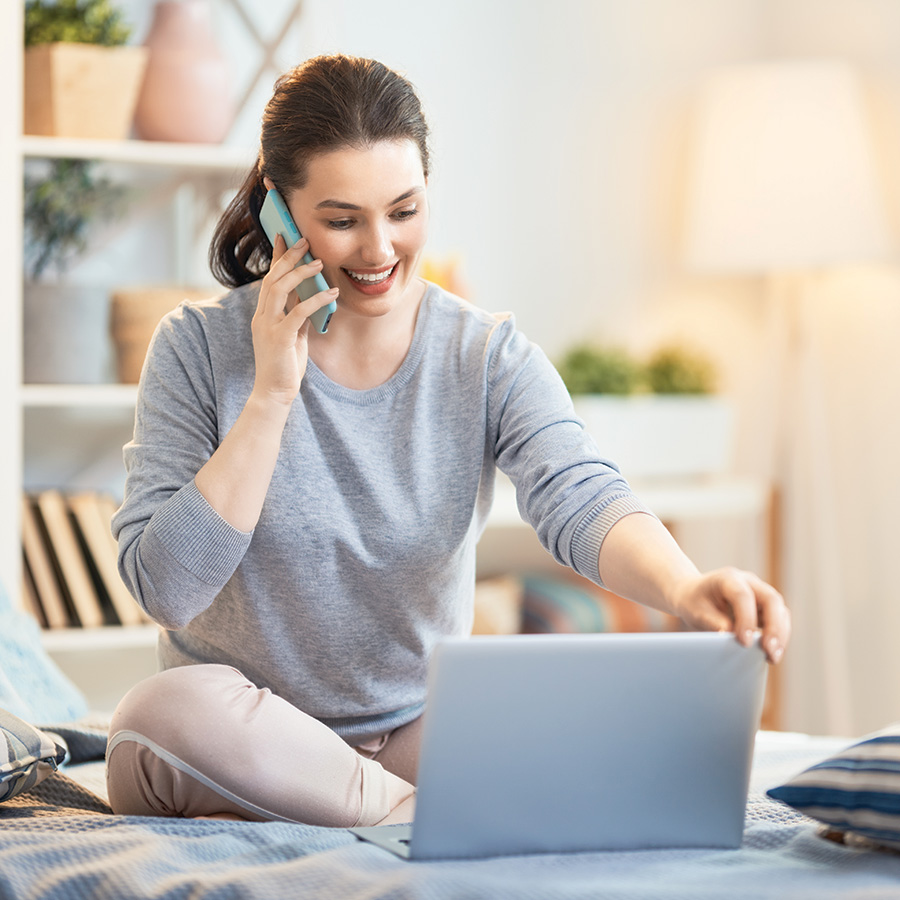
592 531
195 535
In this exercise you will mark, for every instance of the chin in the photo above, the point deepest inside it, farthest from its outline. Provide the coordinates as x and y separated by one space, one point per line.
372 305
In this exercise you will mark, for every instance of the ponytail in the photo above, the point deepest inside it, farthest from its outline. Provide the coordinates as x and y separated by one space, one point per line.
239 251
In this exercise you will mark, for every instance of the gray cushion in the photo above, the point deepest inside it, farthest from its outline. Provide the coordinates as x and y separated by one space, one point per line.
27 755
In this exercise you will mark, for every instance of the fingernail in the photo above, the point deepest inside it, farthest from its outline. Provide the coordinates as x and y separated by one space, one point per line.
775 650
747 638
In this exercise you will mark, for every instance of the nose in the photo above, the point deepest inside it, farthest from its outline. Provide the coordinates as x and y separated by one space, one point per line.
377 247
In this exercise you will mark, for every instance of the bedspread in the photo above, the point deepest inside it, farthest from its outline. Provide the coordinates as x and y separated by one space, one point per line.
96 855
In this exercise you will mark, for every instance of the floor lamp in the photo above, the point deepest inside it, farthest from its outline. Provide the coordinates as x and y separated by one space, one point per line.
782 184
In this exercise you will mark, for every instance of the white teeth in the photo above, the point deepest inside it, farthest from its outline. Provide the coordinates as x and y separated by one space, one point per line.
370 279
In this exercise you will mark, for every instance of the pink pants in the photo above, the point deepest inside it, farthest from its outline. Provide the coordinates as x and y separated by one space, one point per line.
204 741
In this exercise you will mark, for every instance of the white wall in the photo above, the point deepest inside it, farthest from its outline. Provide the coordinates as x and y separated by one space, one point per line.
558 134
560 141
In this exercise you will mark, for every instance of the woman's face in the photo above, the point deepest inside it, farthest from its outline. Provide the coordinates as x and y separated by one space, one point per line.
365 214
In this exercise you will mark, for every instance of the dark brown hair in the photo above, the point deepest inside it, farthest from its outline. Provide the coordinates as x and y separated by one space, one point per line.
327 103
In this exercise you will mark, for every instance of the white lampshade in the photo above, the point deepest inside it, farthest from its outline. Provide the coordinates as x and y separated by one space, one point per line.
782 175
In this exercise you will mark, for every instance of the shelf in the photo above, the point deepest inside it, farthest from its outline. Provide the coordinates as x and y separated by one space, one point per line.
680 499
85 640
203 157
695 499
85 396
104 662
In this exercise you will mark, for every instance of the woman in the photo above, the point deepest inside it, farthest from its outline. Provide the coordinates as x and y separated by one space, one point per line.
302 509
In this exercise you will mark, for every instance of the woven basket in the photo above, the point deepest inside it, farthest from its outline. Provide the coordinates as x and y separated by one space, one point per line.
134 315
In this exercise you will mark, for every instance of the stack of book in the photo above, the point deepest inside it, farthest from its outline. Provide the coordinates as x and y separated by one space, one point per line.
70 573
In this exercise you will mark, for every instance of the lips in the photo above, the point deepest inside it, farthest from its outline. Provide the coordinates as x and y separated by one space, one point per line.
373 281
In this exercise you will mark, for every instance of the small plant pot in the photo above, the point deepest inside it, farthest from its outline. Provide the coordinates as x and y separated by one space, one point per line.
134 315
82 90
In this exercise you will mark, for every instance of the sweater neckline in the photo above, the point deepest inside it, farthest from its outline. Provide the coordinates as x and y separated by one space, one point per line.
370 396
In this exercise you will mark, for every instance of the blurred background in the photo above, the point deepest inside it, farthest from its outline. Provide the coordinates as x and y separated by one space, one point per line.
627 174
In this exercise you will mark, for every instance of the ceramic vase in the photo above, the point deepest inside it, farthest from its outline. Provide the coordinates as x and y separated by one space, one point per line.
187 91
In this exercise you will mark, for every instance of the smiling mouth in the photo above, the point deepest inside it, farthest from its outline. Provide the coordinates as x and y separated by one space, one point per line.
370 277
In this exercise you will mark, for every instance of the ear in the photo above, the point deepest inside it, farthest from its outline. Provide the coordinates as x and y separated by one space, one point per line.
270 185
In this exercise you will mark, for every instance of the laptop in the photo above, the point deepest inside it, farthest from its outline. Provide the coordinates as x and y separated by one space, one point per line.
565 743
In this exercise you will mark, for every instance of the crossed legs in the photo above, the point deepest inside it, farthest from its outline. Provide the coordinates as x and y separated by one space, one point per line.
204 741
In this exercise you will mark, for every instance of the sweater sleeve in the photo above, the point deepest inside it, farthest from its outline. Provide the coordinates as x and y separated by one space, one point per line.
565 489
175 552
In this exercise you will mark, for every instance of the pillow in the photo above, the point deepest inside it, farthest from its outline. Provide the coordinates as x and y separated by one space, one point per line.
27 756
855 792
31 685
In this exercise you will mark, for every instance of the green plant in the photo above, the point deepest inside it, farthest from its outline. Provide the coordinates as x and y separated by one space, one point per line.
679 370
590 369
59 210
84 22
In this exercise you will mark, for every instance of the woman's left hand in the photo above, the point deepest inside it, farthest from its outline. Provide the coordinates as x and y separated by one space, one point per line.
733 600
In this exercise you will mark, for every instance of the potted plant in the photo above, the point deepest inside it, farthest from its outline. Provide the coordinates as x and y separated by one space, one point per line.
65 325
81 80
590 369
658 418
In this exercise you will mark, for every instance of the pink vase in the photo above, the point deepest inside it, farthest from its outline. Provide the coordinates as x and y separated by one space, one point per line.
187 92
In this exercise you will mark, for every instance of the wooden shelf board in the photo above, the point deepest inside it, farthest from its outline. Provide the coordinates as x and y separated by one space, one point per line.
207 157
79 395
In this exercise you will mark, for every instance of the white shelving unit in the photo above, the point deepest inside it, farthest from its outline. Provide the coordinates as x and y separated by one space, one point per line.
51 424
85 414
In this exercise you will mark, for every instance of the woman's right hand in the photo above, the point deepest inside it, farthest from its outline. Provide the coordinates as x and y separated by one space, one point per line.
280 325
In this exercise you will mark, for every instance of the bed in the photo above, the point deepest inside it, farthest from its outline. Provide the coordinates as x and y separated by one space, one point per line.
59 839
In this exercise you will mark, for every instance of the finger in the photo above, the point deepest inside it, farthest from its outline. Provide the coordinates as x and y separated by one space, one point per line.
302 311
278 248
288 279
279 286
739 596
284 257
774 619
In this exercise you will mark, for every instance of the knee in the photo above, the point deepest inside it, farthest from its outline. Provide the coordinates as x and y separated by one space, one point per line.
167 722
176 703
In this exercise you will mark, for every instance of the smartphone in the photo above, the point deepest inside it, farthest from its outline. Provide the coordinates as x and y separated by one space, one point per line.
276 219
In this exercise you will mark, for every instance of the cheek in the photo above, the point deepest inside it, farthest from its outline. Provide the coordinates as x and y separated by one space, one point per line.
414 240
327 246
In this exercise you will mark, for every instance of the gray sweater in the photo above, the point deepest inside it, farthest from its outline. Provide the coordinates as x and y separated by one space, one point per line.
364 553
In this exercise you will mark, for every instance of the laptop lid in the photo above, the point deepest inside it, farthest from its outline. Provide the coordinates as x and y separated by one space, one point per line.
558 743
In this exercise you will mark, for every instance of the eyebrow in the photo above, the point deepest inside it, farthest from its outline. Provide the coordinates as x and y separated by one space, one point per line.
341 204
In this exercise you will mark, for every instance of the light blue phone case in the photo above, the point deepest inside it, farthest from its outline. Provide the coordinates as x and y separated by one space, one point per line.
276 219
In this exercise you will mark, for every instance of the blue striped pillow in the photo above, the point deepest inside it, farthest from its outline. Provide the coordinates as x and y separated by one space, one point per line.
27 756
856 791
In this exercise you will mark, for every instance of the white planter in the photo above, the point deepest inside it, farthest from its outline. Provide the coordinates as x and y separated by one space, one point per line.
66 334
661 436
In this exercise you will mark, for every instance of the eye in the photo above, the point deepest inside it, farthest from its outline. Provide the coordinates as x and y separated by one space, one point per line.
403 214
340 224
